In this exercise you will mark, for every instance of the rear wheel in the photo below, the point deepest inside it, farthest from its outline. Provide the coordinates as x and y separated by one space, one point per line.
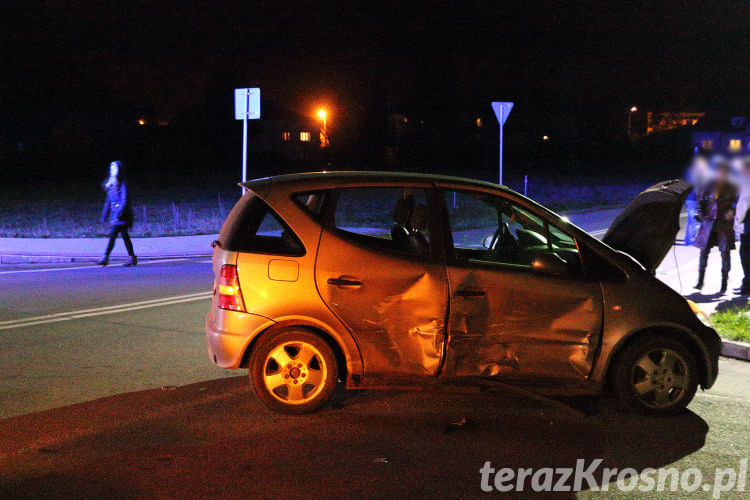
655 375
293 371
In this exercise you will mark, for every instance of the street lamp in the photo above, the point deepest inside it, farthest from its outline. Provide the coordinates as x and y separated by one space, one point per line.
633 109
323 116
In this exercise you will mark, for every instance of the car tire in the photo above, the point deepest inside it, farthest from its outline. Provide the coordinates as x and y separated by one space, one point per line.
293 371
655 375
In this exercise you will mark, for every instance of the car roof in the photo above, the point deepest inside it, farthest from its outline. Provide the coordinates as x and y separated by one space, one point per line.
331 179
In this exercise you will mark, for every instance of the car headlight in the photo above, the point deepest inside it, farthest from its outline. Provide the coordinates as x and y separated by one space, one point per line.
703 317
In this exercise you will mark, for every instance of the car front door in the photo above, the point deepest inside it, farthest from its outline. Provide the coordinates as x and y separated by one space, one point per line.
507 319
379 271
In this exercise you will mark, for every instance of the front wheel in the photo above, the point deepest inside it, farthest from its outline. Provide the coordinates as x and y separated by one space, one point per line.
655 375
293 371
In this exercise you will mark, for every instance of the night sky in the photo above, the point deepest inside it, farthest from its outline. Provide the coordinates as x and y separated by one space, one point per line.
571 67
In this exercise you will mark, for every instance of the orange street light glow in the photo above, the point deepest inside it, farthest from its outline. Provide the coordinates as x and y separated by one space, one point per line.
322 114
633 109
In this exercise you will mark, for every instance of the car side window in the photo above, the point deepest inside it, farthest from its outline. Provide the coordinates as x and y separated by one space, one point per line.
388 218
492 229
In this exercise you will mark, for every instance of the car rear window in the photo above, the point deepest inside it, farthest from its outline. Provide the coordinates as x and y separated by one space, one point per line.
252 226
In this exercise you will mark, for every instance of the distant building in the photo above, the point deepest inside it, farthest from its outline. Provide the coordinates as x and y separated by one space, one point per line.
722 134
283 132
663 121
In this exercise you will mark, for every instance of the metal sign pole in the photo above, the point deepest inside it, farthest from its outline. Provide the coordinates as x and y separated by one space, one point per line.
500 157
244 139
502 110
246 107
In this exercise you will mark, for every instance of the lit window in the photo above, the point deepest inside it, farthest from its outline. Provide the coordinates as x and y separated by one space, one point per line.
286 135
735 145
141 121
304 136
707 144
479 122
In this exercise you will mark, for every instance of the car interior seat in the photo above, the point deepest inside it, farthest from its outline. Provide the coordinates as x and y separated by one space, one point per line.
400 230
417 224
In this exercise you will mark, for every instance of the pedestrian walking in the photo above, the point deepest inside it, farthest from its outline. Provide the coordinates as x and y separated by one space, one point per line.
715 212
118 211
742 223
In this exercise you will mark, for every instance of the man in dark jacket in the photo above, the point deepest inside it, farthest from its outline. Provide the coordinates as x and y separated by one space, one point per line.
119 211
716 205
742 223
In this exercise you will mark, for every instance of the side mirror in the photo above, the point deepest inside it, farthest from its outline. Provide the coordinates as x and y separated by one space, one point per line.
549 263
487 242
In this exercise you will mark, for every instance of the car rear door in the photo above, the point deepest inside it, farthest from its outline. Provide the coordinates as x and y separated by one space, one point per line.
379 271
506 319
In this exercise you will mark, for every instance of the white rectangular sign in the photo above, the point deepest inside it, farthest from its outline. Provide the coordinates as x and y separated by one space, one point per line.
247 104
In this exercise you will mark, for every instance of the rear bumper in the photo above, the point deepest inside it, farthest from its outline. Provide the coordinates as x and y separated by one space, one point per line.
229 333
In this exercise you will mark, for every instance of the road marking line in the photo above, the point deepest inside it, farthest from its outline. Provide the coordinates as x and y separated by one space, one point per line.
104 308
76 268
85 313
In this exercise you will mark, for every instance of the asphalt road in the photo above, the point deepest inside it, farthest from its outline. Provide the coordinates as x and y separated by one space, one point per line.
134 337
70 334
213 439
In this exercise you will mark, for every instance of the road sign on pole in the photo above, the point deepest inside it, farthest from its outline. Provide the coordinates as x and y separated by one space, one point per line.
246 107
502 110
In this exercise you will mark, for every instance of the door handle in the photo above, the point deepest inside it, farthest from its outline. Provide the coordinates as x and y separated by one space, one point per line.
345 281
471 293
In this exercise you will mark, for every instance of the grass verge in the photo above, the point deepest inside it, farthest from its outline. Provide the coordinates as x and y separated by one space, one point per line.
733 324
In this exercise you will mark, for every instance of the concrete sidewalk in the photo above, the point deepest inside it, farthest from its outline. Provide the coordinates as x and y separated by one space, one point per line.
59 250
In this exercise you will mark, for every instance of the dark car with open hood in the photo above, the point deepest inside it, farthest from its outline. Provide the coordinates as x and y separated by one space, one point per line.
382 279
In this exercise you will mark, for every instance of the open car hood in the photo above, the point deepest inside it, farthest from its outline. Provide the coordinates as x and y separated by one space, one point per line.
647 228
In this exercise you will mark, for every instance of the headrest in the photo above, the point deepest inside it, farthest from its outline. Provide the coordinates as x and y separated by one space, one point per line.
402 211
418 218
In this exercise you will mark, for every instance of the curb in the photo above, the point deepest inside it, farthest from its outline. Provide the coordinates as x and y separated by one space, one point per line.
736 350
64 259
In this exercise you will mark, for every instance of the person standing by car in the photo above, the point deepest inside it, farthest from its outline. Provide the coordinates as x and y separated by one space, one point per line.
119 211
715 211
698 174
742 223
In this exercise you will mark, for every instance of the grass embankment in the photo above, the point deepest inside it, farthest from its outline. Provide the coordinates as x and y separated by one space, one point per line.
73 211
733 324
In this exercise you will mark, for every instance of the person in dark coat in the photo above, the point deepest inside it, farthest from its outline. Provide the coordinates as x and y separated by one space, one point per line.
742 223
715 212
118 211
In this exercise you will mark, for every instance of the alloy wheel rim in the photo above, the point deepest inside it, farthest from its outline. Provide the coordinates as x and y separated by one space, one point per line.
294 372
660 378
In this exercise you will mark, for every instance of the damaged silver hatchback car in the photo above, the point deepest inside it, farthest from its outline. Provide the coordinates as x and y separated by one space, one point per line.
382 279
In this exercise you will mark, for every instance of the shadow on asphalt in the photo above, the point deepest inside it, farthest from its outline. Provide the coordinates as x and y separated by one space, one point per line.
724 304
214 439
733 303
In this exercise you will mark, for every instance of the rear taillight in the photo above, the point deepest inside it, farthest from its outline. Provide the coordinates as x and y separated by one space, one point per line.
230 295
